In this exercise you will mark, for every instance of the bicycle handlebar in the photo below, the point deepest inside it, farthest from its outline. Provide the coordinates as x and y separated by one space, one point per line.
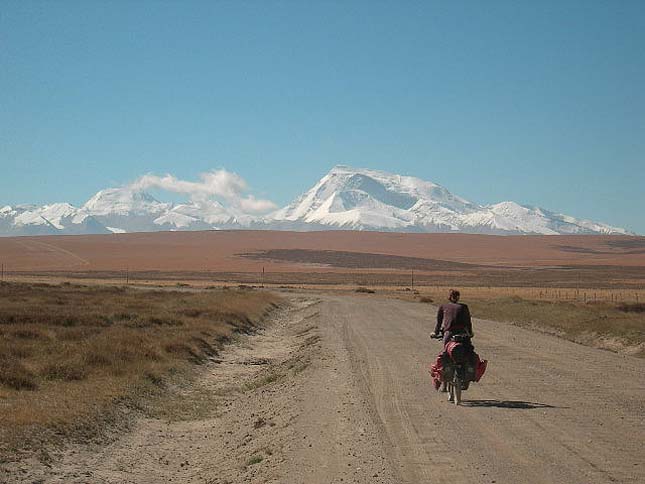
440 336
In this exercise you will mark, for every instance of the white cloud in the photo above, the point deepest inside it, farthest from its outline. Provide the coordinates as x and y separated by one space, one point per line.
253 205
221 184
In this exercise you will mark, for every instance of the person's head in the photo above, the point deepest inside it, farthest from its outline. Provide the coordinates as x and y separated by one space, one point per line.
453 295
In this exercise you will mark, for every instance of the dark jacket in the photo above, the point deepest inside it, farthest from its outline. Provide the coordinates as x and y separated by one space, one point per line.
453 318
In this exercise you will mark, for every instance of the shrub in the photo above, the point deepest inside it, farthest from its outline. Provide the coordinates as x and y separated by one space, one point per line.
66 371
14 375
632 307
365 290
29 333
256 459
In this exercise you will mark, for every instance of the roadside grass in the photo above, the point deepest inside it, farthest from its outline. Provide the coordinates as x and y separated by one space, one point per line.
75 361
262 381
615 326
256 459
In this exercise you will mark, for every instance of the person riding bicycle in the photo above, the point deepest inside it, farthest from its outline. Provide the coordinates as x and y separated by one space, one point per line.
453 318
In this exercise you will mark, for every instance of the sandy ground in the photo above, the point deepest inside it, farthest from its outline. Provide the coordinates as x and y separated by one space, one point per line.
337 390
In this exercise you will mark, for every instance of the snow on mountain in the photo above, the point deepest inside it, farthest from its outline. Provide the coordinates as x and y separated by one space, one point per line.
510 217
370 199
54 214
124 201
174 220
344 199
209 213
57 218
126 209
361 199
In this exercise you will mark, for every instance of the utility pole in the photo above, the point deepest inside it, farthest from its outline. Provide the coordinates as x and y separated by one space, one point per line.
127 276
2 277
262 283
412 278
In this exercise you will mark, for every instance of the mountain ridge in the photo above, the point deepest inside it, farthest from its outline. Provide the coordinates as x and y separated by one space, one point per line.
345 198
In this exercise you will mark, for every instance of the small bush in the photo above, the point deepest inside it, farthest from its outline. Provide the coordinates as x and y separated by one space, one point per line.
191 312
65 371
97 357
154 378
21 351
14 375
156 321
256 459
29 333
632 307
365 290
426 299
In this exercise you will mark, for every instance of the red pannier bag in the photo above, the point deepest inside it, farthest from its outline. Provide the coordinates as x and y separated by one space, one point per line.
436 372
455 351
458 352
480 368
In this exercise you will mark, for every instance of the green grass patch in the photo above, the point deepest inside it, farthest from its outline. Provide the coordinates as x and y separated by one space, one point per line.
256 459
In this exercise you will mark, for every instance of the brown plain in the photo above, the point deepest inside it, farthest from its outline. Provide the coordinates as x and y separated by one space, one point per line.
335 258
220 250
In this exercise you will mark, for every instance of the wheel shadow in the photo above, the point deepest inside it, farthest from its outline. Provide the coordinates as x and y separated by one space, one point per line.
518 404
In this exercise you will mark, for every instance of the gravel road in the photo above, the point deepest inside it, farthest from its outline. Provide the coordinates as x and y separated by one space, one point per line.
547 411
337 390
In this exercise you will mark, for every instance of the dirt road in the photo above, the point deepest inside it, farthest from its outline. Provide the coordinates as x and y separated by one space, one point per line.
337 390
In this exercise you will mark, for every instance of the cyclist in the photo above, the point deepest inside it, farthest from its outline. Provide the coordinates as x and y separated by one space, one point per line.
453 318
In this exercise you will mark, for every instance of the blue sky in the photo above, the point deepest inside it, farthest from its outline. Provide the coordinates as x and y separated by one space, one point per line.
542 102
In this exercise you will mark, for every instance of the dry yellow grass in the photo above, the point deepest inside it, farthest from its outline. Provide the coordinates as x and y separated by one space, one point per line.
69 354
578 287
618 327
610 319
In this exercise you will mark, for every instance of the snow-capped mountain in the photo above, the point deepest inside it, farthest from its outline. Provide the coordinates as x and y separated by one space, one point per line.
344 199
123 201
126 210
361 199
131 210
201 215
57 218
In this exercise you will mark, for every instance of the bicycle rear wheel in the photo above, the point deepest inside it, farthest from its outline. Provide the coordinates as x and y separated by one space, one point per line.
456 385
